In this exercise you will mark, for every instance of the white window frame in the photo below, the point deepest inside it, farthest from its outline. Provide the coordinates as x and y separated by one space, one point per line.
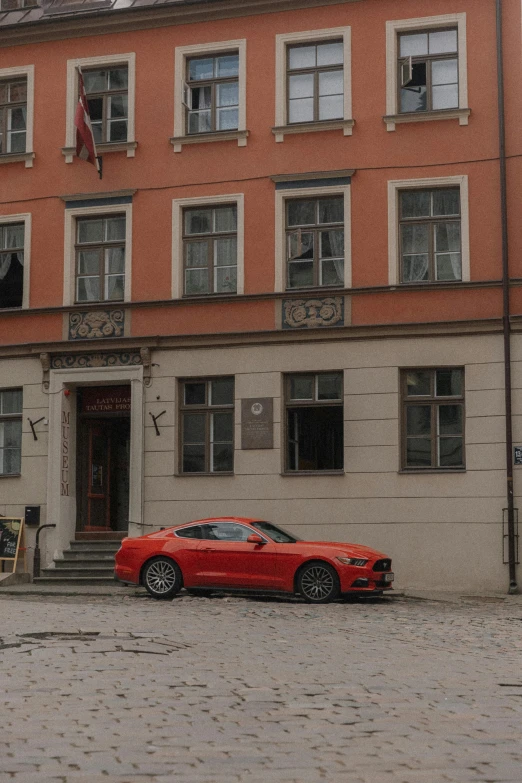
394 187
281 121
282 196
393 30
109 60
178 205
28 155
69 281
181 55
25 218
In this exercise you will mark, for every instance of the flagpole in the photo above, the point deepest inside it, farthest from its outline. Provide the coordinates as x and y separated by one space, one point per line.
84 127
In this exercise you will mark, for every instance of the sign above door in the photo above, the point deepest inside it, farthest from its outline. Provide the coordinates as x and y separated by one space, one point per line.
106 399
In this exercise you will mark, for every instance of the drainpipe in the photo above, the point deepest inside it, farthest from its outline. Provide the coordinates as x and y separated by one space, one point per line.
512 553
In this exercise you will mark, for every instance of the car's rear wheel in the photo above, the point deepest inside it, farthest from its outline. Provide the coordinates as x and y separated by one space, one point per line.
162 577
318 583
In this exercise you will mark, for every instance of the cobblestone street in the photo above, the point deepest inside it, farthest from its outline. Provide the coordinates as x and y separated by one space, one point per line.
241 690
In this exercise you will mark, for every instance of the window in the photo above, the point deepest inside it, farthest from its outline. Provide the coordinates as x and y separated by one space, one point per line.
315 82
12 264
207 426
10 432
196 531
210 249
433 418
314 422
107 95
315 242
227 531
100 258
426 70
212 93
430 236
13 115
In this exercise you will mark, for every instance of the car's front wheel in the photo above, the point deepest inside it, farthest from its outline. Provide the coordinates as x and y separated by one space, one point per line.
162 577
318 583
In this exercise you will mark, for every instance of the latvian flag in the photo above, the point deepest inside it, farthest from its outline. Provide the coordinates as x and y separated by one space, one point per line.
85 144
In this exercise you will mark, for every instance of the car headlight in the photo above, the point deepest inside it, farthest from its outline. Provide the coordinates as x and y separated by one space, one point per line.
354 561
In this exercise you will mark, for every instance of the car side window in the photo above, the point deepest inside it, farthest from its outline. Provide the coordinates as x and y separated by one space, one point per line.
196 531
227 531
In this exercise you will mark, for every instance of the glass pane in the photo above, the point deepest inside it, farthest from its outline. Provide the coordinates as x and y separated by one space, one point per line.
415 269
414 238
88 289
10 461
227 65
11 401
414 95
118 106
201 97
447 237
301 57
201 69
118 78
95 109
302 387
415 203
301 110
114 260
226 280
448 266
330 387
118 131
450 419
443 41
196 254
198 221
13 236
418 420
418 452
223 461
222 391
97 132
89 262
194 459
12 434
300 245
331 107
418 383
449 383
451 452
301 274
331 83
200 122
115 287
301 86
225 252
194 393
330 53
413 44
444 72
332 244
17 118
90 231
95 81
194 427
17 92
115 229
228 94
446 96
301 213
331 210
446 202
196 281
227 119
222 428
4 89
225 219
17 142
332 272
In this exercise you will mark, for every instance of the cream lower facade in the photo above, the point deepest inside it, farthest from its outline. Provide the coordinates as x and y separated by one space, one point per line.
443 530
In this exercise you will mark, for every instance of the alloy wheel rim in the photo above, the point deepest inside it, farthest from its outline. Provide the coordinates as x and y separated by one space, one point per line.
317 583
161 577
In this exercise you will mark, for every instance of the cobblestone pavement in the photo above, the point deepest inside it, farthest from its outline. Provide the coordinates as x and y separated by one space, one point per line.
240 690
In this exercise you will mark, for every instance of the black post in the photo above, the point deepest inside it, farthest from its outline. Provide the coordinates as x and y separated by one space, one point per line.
36 559
100 165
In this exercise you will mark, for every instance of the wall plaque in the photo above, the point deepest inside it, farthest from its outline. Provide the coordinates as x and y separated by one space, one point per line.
107 399
257 423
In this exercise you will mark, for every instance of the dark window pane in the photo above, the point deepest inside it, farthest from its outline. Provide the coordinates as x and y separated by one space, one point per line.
301 213
449 383
418 420
222 457
418 383
415 203
227 531
198 221
11 401
195 393
450 419
414 96
331 210
451 453
302 387
446 202
330 387
418 452
95 108
301 274
222 392
190 532
194 428
315 438
222 427
194 459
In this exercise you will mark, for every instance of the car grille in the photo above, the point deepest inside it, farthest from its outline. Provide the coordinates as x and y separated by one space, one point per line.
382 565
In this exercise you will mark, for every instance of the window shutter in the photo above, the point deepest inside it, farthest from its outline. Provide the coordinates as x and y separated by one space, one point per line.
406 71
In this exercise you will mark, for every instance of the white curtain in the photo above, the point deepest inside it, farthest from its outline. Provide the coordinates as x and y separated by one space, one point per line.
6 260
337 248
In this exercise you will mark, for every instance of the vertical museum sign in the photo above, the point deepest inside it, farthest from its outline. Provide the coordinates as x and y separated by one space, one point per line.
64 467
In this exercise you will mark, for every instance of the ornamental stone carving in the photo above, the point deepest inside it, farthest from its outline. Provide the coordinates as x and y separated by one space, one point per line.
310 313
95 324
75 361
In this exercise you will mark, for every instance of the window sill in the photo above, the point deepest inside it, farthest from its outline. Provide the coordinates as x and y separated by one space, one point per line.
10 475
129 147
462 115
200 138
18 157
311 127
430 471
313 472
199 475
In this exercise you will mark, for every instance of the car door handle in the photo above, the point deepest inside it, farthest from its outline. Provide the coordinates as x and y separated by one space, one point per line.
207 549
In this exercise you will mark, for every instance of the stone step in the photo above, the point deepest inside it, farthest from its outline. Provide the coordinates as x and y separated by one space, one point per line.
84 562
89 554
68 573
109 546
84 580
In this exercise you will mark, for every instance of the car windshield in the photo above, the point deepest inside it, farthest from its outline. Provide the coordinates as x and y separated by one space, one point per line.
277 534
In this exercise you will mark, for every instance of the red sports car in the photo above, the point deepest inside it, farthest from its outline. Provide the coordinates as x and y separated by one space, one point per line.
234 553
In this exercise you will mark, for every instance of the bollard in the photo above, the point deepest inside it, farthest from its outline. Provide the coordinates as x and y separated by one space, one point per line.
36 559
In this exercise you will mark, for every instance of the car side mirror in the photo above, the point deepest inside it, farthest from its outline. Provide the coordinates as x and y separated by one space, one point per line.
255 539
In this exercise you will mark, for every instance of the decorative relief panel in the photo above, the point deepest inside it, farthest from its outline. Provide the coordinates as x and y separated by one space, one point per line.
95 360
95 324
310 313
